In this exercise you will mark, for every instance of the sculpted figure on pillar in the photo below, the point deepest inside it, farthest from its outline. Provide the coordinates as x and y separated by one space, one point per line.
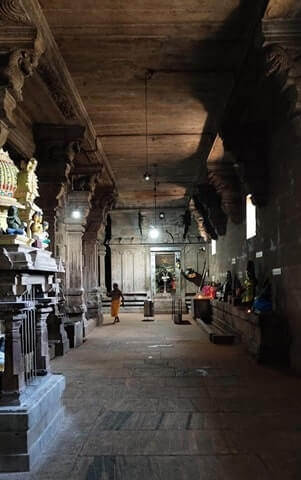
27 191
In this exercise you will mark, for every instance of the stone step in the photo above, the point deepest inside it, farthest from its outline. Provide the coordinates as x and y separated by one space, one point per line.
216 334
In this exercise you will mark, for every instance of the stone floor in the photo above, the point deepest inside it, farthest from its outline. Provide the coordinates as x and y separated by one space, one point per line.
157 401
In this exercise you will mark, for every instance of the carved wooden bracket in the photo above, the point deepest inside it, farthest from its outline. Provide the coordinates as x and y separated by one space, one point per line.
57 145
18 60
103 201
252 119
56 150
199 219
223 175
208 205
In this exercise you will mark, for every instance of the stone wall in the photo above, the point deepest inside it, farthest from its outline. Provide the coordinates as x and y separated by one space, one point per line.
131 247
278 238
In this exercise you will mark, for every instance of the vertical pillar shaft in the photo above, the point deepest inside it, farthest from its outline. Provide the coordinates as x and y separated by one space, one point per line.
42 312
93 297
13 382
102 271
75 214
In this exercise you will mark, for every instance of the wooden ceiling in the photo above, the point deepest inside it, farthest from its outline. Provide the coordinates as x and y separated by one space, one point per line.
194 50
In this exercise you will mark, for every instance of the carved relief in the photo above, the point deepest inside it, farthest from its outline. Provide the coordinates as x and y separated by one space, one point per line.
16 65
279 8
57 91
223 175
12 11
211 217
199 219
251 120
102 202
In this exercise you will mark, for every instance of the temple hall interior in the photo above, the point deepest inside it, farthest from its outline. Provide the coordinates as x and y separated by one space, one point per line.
150 239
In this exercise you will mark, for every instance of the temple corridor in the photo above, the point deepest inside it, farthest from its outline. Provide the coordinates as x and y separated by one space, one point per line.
157 401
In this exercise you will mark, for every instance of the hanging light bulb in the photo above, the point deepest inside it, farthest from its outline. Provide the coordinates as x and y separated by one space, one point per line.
76 214
146 175
161 215
154 233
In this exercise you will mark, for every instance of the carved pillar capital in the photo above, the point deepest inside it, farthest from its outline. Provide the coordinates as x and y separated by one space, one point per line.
77 208
55 145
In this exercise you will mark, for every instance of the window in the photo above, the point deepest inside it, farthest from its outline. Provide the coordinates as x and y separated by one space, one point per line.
213 247
250 217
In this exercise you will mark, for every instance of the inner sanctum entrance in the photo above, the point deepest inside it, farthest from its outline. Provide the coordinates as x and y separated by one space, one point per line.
165 273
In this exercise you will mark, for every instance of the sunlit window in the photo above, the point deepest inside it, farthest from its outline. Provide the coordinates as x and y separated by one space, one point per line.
213 247
250 217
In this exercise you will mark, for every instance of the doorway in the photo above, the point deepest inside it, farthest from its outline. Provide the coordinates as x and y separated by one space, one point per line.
165 273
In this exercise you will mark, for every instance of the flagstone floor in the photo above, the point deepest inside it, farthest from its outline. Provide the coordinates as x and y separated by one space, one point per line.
157 401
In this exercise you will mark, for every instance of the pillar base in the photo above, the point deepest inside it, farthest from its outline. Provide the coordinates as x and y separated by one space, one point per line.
74 329
57 336
60 347
27 428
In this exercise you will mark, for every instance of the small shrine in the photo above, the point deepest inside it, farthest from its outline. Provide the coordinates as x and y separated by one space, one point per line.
29 295
21 219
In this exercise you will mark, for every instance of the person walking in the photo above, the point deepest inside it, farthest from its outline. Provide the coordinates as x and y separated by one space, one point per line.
117 297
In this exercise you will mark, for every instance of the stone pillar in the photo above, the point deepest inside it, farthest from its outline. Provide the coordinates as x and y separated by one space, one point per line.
75 214
93 297
13 382
42 312
94 268
55 145
102 271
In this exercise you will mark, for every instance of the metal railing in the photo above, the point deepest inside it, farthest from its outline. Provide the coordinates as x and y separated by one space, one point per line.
29 337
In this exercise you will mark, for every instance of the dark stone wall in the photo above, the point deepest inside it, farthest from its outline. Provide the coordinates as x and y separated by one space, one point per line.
278 234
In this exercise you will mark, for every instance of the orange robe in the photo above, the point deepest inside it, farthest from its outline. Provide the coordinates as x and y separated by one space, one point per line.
115 307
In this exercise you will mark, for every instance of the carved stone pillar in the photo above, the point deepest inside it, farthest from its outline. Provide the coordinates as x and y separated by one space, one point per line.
75 215
102 271
55 145
93 297
94 274
42 312
13 382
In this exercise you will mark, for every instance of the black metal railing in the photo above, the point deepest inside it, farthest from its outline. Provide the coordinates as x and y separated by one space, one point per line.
29 337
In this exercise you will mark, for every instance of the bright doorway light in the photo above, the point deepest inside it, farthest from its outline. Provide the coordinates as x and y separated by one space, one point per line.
250 217
213 247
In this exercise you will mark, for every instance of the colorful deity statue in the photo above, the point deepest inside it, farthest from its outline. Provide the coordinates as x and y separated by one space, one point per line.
37 226
8 185
45 235
14 225
250 284
39 230
27 191
8 175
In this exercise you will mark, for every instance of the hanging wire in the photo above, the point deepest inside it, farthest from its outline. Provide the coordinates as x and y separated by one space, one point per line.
155 193
146 120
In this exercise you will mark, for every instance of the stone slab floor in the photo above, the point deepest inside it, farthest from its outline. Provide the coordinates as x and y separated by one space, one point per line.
157 401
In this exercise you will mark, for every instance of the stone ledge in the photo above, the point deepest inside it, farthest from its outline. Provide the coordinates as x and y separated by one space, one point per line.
27 428
266 335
